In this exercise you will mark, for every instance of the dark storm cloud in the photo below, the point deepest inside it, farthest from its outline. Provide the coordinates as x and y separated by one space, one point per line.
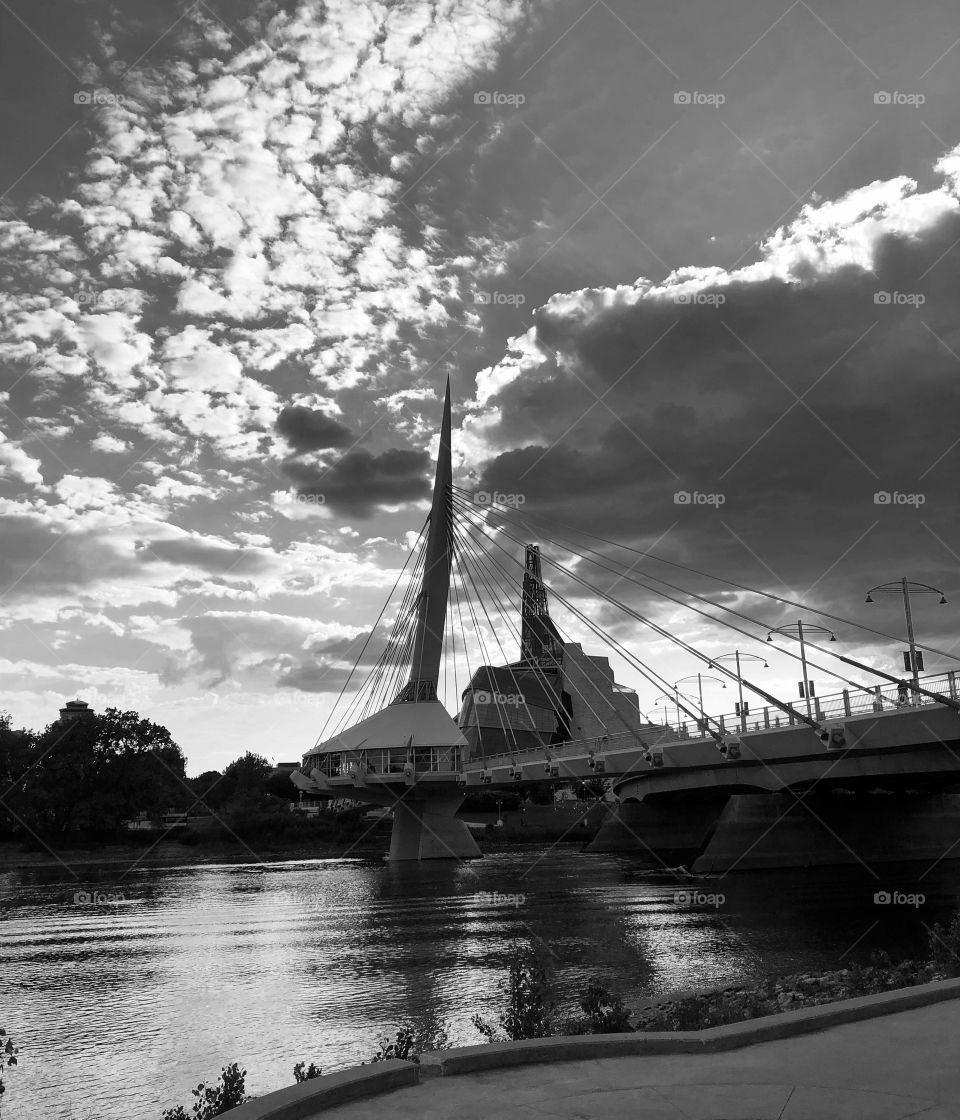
210 557
359 482
309 429
757 433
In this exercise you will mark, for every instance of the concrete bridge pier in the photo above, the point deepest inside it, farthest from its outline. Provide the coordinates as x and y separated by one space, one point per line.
427 828
758 831
664 831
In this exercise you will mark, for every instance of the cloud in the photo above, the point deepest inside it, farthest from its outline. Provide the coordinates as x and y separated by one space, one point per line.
359 482
309 429
796 388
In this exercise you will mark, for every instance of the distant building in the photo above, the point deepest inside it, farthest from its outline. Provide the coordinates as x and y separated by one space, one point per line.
76 710
554 694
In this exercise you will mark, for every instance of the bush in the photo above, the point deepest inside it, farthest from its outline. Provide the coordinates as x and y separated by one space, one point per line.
605 1011
214 1100
304 1072
530 1006
408 1045
944 946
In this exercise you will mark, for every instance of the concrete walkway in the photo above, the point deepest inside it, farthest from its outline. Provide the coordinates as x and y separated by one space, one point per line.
888 1068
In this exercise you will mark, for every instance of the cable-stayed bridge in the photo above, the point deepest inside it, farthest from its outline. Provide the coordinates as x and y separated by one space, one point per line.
555 712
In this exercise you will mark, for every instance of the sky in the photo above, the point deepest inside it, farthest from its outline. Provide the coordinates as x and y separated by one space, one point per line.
659 250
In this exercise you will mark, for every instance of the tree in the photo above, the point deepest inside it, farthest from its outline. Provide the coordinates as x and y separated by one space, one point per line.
245 778
92 773
15 756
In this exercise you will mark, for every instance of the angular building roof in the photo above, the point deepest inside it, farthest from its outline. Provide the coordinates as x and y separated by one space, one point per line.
424 723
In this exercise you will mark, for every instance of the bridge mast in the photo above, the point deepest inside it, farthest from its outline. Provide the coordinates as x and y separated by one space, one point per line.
539 639
431 605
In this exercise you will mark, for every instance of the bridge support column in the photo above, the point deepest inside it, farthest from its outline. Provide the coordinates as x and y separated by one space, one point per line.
759 831
428 828
662 832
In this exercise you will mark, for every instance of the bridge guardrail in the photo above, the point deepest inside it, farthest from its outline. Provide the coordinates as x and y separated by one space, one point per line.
840 705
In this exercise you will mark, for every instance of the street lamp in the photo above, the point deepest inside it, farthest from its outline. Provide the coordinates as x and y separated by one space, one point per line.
665 700
741 657
700 677
798 632
906 588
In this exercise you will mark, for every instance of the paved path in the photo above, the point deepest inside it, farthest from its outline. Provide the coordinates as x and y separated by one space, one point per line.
888 1068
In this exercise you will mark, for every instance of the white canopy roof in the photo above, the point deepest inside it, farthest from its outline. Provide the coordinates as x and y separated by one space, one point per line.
426 723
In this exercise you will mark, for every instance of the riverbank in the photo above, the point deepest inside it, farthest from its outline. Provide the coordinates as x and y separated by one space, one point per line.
537 825
168 853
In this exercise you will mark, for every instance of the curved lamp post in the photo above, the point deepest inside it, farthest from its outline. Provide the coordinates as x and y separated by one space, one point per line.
906 588
798 631
700 678
741 657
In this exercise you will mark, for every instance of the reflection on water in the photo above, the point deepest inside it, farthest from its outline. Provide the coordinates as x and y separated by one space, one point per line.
123 1000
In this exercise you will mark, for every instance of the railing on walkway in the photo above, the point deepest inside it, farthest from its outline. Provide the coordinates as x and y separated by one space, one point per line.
849 702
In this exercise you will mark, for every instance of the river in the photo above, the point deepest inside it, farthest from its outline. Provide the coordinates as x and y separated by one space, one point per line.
125 990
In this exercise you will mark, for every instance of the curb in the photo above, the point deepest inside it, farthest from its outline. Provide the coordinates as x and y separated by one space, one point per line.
306 1100
296 1102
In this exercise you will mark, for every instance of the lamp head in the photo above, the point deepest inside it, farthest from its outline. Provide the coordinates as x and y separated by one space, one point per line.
765 665
943 599
869 599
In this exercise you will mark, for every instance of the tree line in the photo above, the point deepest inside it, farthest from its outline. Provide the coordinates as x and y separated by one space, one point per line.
88 775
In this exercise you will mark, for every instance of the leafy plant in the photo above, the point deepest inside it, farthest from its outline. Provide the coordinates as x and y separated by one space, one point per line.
944 946
408 1045
8 1057
604 1010
530 1004
304 1072
214 1100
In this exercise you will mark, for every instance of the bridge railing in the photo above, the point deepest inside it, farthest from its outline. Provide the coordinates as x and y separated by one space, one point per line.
848 702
